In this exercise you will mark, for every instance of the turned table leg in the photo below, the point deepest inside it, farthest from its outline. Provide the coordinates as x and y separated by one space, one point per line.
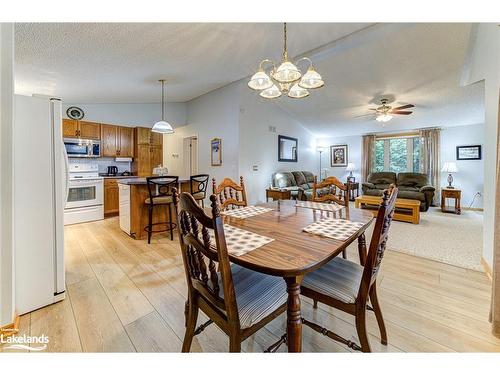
294 320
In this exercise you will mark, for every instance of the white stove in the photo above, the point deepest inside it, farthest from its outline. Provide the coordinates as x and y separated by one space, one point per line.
85 194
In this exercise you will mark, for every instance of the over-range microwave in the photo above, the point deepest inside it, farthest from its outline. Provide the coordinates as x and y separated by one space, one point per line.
82 148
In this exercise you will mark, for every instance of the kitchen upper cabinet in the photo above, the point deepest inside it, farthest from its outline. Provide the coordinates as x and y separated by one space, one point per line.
81 129
148 150
90 130
156 157
156 138
109 140
143 136
125 142
111 197
70 128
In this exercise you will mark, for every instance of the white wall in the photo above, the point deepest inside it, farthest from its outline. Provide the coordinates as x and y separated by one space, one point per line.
470 177
354 144
6 191
213 115
484 63
138 114
259 146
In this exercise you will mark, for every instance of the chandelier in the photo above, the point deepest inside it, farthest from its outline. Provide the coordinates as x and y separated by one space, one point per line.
287 79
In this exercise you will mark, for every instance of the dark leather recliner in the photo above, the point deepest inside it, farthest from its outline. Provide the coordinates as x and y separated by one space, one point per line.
410 185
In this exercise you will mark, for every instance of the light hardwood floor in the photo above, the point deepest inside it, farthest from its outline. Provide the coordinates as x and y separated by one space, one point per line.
124 295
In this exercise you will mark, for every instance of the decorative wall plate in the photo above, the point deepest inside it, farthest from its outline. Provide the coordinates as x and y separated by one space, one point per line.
75 113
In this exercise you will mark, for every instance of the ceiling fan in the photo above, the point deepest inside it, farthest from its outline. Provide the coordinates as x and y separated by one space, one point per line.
385 112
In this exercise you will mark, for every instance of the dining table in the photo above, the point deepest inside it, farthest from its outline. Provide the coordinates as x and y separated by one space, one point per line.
293 252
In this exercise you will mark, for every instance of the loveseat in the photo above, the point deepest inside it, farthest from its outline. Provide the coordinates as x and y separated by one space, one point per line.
410 185
300 183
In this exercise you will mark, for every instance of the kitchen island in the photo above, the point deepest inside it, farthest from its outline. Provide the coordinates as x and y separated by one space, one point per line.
133 210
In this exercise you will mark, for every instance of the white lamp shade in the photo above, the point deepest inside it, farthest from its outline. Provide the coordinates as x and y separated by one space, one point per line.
298 92
311 80
162 127
260 81
383 118
271 93
450 167
350 167
287 72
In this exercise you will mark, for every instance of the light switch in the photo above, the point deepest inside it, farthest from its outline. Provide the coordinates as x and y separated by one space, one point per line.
255 168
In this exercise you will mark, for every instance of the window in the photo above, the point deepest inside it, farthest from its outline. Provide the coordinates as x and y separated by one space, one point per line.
398 154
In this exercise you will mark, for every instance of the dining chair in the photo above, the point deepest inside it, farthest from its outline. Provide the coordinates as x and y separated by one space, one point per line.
326 192
238 300
348 286
160 194
229 194
198 187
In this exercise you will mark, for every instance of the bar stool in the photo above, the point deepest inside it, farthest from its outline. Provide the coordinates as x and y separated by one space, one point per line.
160 194
198 187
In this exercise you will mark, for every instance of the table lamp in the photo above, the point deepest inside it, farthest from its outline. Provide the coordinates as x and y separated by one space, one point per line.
350 168
450 167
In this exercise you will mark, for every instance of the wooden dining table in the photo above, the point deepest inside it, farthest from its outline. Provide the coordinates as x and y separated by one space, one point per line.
294 253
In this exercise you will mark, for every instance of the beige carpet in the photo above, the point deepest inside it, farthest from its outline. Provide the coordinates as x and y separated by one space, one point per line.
447 238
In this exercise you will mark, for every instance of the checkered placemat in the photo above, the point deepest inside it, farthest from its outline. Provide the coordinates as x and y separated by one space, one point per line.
240 241
319 206
244 212
338 229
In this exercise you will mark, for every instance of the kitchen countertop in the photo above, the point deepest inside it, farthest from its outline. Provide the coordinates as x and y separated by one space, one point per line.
117 176
142 181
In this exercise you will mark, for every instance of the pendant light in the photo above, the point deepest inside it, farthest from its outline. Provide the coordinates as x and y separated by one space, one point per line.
162 126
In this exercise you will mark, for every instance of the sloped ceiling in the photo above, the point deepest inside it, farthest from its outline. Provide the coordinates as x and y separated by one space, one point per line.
361 63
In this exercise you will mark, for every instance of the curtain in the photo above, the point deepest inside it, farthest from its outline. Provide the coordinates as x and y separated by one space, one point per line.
495 294
430 159
368 156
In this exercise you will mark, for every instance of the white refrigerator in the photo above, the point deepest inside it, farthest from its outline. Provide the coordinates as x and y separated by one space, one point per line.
40 191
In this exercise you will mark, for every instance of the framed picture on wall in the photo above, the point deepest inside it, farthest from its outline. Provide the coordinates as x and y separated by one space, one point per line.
216 151
338 156
469 152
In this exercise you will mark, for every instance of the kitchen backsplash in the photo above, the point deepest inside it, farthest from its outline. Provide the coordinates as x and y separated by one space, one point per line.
104 163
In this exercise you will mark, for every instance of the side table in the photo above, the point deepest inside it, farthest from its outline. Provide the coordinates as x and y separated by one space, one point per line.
278 194
351 186
451 194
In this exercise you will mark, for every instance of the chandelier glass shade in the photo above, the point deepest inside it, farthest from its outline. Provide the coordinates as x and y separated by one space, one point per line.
162 126
384 117
286 79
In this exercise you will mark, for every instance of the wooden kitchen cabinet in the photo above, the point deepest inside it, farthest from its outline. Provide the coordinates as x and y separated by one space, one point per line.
148 149
109 137
81 129
117 141
89 130
125 142
70 128
111 197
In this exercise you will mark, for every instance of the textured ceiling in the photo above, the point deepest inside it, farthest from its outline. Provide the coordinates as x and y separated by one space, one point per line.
419 64
121 62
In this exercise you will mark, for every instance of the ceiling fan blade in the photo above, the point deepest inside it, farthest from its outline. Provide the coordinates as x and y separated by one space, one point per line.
403 107
401 112
366 114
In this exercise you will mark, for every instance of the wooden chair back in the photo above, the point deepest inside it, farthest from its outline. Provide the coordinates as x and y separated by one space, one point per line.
198 184
326 191
200 254
229 194
379 240
161 186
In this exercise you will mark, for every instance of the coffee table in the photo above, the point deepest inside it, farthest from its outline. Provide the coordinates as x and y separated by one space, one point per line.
407 210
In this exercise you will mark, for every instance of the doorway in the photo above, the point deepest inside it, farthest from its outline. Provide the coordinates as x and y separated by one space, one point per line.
190 147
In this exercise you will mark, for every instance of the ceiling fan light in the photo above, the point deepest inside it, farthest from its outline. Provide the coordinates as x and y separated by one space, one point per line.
162 127
384 117
287 72
311 80
260 81
271 93
298 92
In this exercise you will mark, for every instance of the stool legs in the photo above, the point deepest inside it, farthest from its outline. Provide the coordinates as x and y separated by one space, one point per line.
170 222
150 222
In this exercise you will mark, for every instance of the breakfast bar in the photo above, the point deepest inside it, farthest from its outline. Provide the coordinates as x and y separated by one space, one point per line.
133 193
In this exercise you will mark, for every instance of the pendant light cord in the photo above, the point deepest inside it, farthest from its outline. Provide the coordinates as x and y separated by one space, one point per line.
285 52
162 99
